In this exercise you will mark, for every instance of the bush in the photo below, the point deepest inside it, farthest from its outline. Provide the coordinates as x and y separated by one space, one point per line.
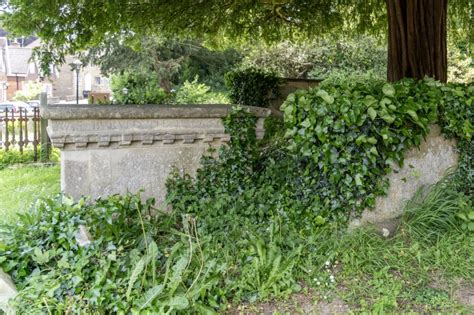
198 93
30 91
319 59
252 87
12 157
141 88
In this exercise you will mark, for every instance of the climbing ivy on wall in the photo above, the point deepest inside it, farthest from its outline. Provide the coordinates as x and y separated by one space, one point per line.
340 139
252 87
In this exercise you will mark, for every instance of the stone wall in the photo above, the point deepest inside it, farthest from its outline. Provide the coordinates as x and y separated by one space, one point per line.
423 166
290 86
114 149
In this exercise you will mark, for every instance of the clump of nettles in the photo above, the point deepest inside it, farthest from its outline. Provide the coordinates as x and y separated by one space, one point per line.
341 139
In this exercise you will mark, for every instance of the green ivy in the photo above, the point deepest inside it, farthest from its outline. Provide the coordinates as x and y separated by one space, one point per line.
355 132
341 139
252 87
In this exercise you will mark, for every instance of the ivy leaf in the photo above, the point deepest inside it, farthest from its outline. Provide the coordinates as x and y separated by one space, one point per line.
358 179
372 113
369 101
386 101
372 140
40 257
361 139
389 119
413 114
325 96
374 151
388 89
306 123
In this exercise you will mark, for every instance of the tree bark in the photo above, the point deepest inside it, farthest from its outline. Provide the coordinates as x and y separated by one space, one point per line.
417 39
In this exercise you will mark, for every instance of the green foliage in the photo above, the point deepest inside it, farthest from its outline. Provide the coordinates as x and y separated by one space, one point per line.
466 215
319 59
433 211
142 88
456 115
12 157
150 262
30 91
354 132
198 93
460 62
341 139
122 270
271 20
252 87
172 60
254 222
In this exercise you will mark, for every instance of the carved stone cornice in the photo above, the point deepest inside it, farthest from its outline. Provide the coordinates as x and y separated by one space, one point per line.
76 127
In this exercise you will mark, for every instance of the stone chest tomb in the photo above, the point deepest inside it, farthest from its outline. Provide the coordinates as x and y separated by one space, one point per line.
108 149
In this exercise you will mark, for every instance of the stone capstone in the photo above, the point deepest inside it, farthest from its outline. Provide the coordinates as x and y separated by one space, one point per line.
422 167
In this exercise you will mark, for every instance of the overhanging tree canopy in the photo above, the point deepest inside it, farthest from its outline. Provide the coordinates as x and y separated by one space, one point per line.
417 28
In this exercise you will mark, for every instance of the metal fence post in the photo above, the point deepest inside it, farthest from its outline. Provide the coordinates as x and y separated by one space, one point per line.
45 141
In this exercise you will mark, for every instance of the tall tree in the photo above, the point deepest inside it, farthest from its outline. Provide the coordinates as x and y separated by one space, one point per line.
417 28
417 39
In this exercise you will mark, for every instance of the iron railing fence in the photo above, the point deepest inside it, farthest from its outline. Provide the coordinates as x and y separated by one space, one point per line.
20 129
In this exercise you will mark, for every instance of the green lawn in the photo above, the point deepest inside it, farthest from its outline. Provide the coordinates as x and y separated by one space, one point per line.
21 186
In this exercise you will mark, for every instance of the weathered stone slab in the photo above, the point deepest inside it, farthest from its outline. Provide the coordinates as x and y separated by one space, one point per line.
423 166
7 292
83 237
117 149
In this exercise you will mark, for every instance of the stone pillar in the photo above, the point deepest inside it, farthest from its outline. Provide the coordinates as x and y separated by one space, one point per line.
108 149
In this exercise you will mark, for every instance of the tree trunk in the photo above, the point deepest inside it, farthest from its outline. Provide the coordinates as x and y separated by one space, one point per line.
417 39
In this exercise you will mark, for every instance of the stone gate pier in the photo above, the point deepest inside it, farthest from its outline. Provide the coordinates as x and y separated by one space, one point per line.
109 149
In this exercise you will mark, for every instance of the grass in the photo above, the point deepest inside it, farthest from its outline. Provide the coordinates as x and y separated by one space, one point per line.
426 267
22 185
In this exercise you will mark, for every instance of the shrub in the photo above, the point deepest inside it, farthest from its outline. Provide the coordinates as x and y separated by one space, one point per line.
198 93
252 87
30 91
319 59
12 157
141 88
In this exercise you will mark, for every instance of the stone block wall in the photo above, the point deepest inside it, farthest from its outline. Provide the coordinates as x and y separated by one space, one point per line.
108 149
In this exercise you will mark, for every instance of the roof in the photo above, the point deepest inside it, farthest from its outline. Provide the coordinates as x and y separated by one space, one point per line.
24 41
19 60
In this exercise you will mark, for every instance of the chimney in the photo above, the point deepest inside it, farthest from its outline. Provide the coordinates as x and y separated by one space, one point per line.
15 43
